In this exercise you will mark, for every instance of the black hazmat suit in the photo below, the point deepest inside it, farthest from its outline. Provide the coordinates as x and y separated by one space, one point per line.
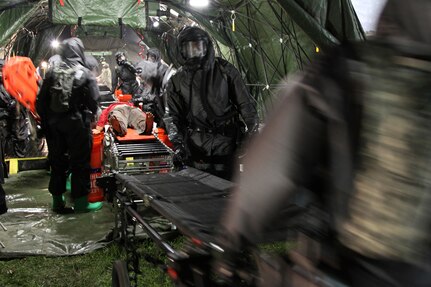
125 77
352 121
13 134
208 103
7 107
68 134
151 95
155 56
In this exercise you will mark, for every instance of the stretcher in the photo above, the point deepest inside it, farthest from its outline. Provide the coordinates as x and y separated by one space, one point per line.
193 201
135 153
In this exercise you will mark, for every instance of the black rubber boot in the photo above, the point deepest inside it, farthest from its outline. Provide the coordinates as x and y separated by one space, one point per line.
59 205
3 206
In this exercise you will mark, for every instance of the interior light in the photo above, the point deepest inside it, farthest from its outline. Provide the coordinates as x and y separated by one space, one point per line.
44 65
174 13
156 24
55 44
199 3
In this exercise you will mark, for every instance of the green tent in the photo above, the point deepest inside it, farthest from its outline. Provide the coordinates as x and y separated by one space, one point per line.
266 40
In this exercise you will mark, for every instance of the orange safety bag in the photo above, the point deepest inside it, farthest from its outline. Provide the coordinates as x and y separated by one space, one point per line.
124 98
21 81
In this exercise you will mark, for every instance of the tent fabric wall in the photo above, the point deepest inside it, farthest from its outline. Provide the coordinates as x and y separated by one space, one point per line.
99 12
12 20
272 39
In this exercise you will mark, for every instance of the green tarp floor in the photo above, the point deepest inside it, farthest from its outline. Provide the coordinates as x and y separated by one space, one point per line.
33 229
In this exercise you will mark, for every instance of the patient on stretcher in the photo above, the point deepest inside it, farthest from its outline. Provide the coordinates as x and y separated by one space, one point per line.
123 115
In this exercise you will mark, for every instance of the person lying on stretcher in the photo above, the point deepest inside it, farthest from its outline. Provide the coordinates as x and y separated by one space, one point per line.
123 115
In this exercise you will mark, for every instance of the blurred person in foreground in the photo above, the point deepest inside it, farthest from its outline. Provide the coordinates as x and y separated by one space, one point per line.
359 121
209 107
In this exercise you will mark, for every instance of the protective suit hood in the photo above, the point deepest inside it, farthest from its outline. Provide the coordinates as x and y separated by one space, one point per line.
72 51
192 33
155 53
405 24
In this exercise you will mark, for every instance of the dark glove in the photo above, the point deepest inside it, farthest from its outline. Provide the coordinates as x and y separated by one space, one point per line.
253 130
138 71
179 157
40 133
11 105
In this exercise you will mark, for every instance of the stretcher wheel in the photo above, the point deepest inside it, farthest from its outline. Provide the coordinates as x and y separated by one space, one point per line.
120 275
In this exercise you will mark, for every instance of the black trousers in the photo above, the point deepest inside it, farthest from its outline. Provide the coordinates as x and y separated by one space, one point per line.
69 149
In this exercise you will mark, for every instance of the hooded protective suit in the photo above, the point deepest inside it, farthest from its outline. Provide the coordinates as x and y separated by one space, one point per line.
357 123
208 102
69 134
125 76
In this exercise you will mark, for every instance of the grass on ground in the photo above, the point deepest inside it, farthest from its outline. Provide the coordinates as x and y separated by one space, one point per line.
89 270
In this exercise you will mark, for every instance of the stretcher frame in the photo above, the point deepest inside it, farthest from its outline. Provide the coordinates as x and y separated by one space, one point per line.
189 266
148 155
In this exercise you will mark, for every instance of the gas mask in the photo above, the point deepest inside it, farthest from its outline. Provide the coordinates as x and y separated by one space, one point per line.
120 59
194 49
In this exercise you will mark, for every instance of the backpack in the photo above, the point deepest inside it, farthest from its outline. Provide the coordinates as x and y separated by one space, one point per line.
380 156
61 89
392 187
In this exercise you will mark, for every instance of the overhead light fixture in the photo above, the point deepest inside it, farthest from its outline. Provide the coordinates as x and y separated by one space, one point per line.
199 3
156 24
55 44
44 65
174 13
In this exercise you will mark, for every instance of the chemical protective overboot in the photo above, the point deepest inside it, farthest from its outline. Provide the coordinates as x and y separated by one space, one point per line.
59 205
69 183
82 205
3 206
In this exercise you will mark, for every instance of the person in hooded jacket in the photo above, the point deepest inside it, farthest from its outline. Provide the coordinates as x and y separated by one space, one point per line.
125 75
14 134
356 121
68 134
208 103
7 108
154 55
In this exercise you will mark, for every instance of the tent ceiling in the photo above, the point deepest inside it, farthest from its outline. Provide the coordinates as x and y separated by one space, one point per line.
9 4
266 40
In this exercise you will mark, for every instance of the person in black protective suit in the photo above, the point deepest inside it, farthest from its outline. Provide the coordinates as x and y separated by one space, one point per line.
153 85
68 134
154 55
125 75
357 122
208 104
14 134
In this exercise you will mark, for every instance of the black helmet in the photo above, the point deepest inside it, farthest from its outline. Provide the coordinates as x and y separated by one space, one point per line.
193 43
120 57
